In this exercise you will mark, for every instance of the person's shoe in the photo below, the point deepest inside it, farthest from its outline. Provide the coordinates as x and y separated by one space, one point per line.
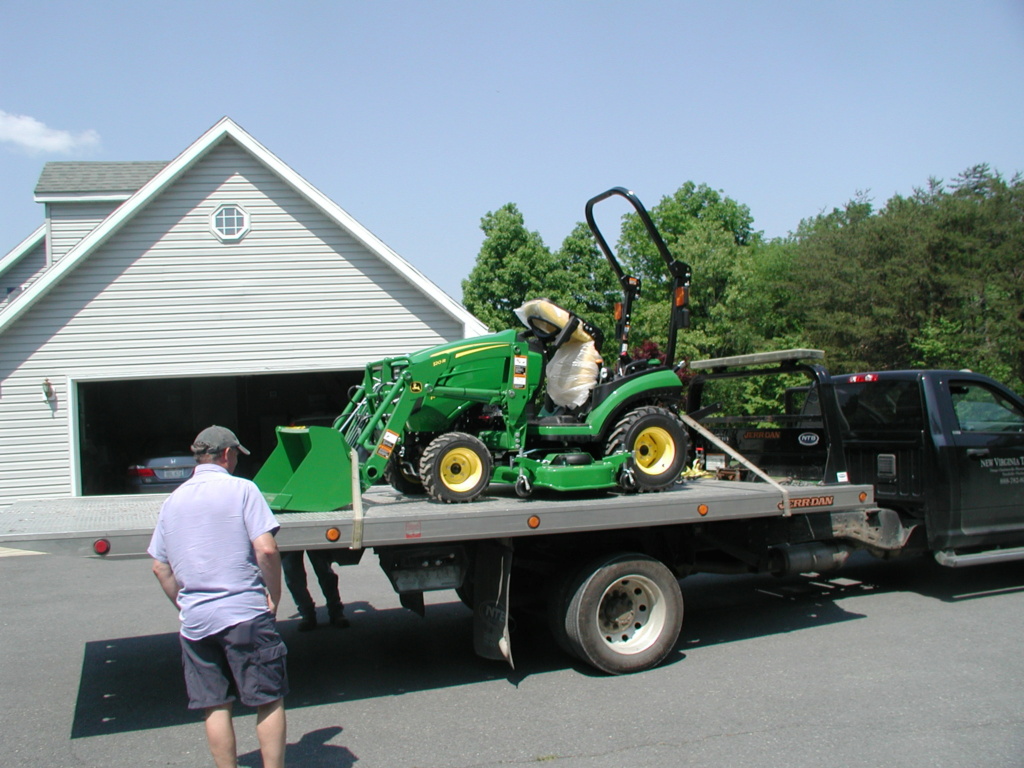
307 622
338 619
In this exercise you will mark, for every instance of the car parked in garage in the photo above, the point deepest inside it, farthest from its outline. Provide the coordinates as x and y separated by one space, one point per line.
160 474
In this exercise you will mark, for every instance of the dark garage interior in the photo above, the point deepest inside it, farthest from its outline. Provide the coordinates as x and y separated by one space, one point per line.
123 422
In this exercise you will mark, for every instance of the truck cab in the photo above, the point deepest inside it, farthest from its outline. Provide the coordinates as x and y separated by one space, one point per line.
943 448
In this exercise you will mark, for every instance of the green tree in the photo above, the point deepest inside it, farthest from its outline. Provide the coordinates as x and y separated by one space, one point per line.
762 308
979 234
513 265
933 279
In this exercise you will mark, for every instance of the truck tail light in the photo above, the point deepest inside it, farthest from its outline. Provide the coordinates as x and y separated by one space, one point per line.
101 546
862 378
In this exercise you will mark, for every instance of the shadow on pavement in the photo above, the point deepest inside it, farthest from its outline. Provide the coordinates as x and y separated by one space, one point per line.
311 751
135 683
723 609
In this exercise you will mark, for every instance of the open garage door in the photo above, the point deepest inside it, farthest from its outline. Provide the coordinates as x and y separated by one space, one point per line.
123 423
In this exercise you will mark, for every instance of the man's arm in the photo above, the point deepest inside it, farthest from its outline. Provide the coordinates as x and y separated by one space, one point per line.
269 561
167 580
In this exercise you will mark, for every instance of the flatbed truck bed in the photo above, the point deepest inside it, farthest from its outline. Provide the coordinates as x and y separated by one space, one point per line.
73 525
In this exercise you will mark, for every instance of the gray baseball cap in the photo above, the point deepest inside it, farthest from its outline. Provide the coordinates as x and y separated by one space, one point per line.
215 439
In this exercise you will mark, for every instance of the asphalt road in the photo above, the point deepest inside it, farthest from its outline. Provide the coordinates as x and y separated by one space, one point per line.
883 664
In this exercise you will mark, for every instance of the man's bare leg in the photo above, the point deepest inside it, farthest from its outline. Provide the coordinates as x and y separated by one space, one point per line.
220 734
272 732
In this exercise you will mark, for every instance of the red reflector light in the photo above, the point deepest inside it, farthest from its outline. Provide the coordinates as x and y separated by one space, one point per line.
140 472
862 378
101 546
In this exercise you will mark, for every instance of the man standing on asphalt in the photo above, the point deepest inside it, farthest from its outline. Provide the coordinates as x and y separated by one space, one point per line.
215 556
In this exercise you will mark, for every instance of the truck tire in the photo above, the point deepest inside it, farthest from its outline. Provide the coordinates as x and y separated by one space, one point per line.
657 439
558 608
455 468
623 614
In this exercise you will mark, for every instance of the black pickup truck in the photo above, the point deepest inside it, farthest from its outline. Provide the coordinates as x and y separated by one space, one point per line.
943 448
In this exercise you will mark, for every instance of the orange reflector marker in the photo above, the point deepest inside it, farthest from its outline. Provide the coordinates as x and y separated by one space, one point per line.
101 546
533 522
702 509
863 496
333 534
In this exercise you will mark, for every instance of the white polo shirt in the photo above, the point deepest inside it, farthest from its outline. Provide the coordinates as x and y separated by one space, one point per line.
205 533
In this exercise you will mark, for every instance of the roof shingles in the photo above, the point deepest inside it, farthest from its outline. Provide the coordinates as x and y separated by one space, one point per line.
70 178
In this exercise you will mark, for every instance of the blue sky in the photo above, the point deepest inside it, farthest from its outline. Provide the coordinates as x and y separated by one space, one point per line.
420 117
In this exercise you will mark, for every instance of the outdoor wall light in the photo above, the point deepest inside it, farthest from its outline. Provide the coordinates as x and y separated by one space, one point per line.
48 394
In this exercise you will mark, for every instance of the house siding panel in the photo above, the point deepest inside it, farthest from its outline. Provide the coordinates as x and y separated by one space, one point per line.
68 223
164 297
23 273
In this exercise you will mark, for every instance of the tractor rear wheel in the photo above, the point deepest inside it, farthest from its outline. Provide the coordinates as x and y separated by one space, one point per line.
657 439
455 468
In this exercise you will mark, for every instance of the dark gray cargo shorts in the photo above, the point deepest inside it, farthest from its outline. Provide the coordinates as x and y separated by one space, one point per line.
246 661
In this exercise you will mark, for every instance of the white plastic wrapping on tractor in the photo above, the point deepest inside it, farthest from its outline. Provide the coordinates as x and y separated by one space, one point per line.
574 368
572 372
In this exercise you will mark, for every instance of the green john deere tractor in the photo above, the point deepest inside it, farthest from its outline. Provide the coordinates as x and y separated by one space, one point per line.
532 408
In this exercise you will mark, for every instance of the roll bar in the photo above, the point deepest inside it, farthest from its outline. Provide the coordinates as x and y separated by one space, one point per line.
630 284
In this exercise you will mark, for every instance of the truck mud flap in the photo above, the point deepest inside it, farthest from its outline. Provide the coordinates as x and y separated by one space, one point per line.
490 608
308 471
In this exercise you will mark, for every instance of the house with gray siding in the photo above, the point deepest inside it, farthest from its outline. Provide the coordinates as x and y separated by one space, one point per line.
159 298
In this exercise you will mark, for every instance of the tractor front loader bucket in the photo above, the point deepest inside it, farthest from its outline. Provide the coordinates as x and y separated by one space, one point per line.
310 470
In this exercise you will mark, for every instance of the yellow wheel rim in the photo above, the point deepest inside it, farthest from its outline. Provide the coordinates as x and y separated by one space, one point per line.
654 450
461 469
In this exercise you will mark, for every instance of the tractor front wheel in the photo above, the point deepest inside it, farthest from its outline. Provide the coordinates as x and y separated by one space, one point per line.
657 439
400 472
455 468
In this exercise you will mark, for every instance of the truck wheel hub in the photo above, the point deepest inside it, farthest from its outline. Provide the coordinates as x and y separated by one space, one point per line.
631 614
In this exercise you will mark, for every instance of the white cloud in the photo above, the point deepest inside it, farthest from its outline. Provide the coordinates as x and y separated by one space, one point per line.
31 135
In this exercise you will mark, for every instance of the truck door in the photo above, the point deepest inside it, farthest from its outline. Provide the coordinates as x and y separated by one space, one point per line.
988 445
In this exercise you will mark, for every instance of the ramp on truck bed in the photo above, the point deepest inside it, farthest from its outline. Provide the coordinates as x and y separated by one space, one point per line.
73 526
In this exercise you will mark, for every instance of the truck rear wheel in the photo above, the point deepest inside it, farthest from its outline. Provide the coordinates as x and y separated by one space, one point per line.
657 439
620 614
455 468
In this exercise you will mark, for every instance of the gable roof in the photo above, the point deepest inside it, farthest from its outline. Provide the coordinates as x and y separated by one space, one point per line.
72 180
172 171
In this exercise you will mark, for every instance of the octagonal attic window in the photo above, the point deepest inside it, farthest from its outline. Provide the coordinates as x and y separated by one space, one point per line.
230 222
